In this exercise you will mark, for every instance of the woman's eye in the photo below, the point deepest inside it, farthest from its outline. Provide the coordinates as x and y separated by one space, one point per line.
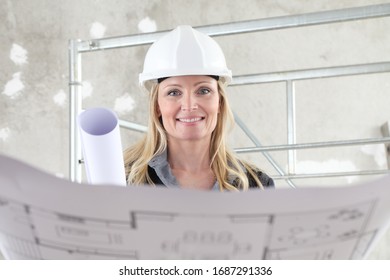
173 93
204 91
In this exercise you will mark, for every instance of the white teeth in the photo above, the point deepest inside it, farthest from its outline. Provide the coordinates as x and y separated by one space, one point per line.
190 120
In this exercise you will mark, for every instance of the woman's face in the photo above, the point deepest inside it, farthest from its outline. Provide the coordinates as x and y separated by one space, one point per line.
188 106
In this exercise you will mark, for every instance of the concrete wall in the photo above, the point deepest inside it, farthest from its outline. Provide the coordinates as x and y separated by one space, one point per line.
34 102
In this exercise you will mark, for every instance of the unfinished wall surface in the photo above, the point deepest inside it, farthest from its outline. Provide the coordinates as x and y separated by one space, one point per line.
34 76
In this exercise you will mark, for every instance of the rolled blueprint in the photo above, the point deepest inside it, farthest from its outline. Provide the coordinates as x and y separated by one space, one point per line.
102 147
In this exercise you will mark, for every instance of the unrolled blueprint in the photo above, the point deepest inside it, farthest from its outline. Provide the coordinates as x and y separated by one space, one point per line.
44 217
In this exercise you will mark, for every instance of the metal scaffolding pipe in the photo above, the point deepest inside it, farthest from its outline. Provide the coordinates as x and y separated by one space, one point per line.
75 100
291 126
313 145
256 141
334 174
315 73
133 126
266 24
300 20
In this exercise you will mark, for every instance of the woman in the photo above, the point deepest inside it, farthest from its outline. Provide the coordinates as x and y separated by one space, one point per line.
185 74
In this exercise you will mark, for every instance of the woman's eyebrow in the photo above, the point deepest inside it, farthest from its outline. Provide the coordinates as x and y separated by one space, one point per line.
202 82
172 85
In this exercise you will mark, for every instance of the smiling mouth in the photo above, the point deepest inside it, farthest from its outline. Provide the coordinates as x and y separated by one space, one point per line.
190 120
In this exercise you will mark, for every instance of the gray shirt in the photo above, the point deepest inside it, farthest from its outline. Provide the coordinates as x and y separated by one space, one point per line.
163 170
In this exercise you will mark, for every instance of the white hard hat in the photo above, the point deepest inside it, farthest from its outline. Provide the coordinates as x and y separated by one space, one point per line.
184 51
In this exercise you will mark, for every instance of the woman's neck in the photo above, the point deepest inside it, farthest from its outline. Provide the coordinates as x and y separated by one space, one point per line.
192 156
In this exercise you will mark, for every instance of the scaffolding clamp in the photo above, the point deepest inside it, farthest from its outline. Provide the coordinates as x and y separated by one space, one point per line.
385 129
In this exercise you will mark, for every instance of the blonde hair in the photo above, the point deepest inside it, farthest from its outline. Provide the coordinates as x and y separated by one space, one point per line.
224 163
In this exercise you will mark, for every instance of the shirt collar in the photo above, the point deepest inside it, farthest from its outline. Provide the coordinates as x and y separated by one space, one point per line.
160 164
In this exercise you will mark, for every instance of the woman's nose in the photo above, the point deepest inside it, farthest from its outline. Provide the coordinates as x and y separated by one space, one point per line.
188 103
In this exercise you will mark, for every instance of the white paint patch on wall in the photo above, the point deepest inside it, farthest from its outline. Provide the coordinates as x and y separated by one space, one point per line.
60 98
18 54
4 133
147 25
60 175
14 87
328 166
378 152
124 104
87 89
97 30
